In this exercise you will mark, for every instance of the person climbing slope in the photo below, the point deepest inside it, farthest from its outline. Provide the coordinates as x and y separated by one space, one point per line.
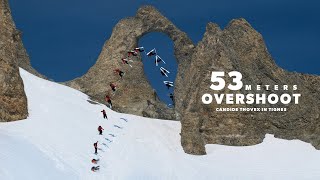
113 87
100 129
95 145
126 61
95 168
104 113
118 71
108 100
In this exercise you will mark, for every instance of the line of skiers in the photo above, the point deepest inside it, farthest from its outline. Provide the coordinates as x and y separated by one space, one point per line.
113 86
95 145
163 71
119 72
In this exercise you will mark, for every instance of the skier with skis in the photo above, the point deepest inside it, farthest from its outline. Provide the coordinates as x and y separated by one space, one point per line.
113 87
95 168
171 97
152 52
164 72
132 53
100 129
95 145
158 60
169 84
108 99
118 71
139 49
126 61
104 113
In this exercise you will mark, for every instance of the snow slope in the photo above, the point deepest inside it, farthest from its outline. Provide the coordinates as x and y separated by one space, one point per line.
56 143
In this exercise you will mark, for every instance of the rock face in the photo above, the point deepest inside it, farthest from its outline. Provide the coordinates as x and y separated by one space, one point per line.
236 48
13 101
134 89
240 48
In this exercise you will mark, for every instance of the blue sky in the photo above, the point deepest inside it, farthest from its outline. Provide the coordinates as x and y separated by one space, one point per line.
64 37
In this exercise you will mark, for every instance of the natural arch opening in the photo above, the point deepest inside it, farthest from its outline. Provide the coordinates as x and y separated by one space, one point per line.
164 48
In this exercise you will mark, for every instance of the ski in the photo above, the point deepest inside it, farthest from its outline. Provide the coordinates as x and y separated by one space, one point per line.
126 120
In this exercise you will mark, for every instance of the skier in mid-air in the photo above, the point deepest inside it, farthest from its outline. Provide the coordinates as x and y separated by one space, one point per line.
132 53
169 84
164 72
95 168
126 61
152 52
113 87
108 100
139 49
158 60
171 97
118 71
100 129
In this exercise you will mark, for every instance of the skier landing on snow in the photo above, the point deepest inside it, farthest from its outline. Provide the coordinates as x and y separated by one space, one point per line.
95 168
108 99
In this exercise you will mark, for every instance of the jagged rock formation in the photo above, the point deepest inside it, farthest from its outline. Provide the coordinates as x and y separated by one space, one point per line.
239 47
134 89
13 101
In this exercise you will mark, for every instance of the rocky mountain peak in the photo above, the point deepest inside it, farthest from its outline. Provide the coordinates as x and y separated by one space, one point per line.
13 101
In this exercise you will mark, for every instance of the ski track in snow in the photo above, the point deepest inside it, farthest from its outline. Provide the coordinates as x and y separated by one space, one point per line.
56 142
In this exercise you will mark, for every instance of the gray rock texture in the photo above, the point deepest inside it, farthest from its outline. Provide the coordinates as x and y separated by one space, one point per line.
134 89
236 48
13 101
240 48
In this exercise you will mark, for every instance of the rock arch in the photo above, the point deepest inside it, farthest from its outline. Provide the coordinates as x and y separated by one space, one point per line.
134 90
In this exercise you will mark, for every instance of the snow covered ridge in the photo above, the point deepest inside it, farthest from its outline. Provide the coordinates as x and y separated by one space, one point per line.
56 143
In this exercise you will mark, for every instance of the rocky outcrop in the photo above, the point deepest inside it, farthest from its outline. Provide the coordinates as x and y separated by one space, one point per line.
134 89
240 48
236 48
13 101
